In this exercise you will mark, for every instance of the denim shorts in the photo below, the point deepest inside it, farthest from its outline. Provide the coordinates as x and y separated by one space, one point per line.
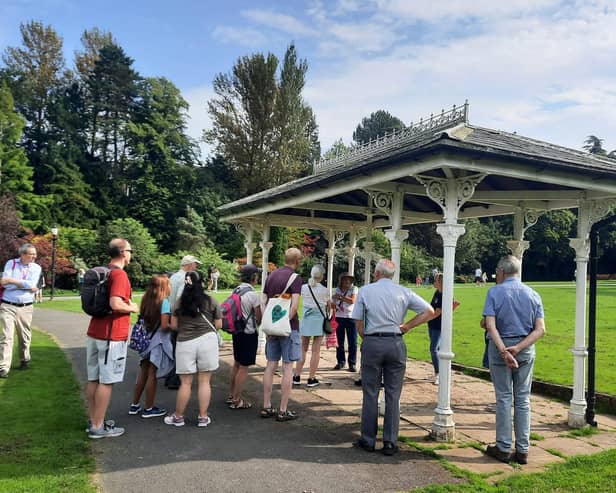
287 348
112 371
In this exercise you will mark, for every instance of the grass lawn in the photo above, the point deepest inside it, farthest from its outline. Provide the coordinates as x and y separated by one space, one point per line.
583 473
554 358
43 447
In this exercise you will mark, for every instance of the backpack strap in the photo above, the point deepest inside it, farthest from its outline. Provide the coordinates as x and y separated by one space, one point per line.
111 268
291 280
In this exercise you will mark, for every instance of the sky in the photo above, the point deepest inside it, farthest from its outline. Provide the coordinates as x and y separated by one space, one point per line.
542 68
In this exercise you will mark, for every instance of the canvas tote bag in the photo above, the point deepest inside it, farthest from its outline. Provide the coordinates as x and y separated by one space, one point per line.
275 321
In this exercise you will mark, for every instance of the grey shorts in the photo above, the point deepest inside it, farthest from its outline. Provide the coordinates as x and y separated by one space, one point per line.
200 354
113 370
287 348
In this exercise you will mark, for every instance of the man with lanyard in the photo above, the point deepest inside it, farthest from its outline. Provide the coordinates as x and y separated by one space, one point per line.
20 282
379 313
107 343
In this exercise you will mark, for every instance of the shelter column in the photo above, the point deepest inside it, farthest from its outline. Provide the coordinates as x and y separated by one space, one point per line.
265 245
396 237
332 238
443 426
249 245
450 194
352 250
522 220
391 203
589 211
367 250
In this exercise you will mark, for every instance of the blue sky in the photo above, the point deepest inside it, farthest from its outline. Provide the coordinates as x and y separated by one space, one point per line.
542 68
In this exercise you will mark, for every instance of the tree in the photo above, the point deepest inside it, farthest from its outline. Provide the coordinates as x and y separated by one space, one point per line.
337 148
261 127
144 262
36 71
160 158
15 172
191 231
594 145
92 41
376 125
9 228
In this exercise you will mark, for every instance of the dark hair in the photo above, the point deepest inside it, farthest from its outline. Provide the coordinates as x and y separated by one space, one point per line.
194 299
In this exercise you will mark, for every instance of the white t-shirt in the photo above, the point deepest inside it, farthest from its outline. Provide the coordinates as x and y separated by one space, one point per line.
249 301
321 294
176 282
478 272
344 309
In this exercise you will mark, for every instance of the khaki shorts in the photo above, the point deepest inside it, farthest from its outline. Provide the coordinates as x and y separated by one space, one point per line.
200 354
113 370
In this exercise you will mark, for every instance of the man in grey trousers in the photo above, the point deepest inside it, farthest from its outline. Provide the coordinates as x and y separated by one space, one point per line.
379 313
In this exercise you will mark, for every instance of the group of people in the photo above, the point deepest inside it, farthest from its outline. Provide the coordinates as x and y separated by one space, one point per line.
183 320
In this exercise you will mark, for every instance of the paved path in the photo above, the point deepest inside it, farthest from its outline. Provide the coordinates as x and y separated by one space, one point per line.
240 451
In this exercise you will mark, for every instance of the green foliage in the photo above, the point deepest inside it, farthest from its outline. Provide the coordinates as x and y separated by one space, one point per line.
337 148
376 125
83 243
415 260
280 242
144 261
191 231
261 126
9 228
15 172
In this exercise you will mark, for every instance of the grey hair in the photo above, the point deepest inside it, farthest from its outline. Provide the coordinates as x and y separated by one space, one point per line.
316 275
510 265
386 268
25 247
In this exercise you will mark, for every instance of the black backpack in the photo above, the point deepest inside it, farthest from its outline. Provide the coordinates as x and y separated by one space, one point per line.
95 291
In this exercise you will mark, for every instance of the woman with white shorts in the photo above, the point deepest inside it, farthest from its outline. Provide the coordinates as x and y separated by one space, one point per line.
197 320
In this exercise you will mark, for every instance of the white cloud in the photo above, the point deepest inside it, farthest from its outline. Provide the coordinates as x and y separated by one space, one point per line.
248 37
197 98
281 22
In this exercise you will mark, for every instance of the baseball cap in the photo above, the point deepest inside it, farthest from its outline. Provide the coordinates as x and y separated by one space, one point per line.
189 259
249 269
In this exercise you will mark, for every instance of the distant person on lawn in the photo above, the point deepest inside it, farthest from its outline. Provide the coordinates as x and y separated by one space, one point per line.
107 343
514 320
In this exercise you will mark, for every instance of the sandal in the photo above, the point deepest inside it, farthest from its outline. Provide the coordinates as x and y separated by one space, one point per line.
241 404
268 412
229 399
286 416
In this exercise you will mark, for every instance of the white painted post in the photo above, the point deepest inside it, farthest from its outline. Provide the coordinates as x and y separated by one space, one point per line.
265 245
396 237
352 251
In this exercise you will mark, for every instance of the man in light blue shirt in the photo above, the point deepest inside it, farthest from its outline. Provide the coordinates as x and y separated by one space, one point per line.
379 313
514 320
20 282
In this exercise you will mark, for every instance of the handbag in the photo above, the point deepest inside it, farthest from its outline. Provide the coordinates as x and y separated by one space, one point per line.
327 322
139 338
275 321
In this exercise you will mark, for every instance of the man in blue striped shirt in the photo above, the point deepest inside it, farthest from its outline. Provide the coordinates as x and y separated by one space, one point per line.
379 313
20 282
514 320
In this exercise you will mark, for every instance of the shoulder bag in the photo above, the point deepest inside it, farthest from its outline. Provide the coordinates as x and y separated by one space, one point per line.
276 320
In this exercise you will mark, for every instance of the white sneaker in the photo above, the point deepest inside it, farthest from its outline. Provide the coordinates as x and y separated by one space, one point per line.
436 379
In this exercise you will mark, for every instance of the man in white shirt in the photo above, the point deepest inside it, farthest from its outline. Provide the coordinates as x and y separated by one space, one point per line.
188 264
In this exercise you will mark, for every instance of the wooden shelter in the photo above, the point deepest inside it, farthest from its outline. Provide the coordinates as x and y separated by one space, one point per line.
441 170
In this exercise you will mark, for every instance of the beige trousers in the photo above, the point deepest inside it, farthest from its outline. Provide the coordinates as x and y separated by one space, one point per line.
11 318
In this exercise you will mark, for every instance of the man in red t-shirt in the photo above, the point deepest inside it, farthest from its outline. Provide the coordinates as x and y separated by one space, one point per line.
107 343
